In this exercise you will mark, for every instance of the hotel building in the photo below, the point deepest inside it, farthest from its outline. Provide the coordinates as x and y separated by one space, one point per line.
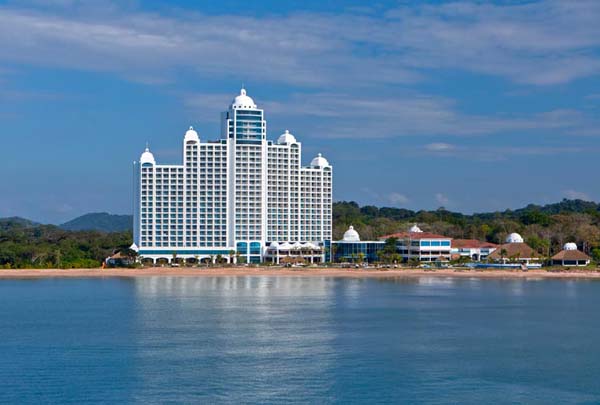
422 246
414 245
239 196
472 249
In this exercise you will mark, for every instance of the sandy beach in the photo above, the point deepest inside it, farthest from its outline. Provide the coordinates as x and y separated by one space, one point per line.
294 272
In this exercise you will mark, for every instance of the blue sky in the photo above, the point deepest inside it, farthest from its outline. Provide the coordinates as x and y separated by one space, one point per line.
475 106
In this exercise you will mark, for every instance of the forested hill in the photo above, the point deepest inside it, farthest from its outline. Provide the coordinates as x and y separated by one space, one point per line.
343 211
346 213
24 244
553 224
100 221
12 222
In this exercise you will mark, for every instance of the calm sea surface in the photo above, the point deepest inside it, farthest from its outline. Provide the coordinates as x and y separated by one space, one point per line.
317 340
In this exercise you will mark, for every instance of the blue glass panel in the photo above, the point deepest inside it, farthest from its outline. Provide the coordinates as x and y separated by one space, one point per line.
254 247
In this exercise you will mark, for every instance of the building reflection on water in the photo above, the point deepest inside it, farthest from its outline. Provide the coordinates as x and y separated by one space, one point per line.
237 327
259 339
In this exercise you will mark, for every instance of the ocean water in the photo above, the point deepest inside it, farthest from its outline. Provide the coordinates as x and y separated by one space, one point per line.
309 340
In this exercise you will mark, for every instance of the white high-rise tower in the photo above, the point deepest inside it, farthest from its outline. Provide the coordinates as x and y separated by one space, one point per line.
241 196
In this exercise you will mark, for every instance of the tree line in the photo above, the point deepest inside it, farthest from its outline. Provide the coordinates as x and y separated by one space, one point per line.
545 228
24 244
27 245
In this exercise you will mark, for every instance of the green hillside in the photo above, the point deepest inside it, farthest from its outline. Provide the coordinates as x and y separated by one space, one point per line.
48 246
546 228
100 221
89 239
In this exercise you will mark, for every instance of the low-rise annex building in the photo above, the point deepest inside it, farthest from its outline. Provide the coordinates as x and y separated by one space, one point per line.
351 248
515 250
422 246
297 252
412 245
474 249
570 256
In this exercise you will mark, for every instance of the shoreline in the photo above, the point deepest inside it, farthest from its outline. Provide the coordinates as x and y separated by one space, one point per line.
293 272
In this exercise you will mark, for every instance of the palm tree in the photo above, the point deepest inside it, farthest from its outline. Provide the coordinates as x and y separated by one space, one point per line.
503 253
361 257
332 252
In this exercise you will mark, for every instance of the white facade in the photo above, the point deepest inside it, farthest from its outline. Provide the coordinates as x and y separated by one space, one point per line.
232 197
475 253
422 246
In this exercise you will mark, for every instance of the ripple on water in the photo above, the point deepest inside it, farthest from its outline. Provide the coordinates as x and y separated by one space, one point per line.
294 339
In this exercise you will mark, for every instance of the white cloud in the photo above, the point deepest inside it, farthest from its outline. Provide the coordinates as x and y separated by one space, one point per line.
439 147
577 195
409 114
544 42
501 153
207 106
397 198
441 199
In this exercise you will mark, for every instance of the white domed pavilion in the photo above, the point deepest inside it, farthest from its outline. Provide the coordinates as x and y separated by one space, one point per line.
515 252
351 235
570 256
514 238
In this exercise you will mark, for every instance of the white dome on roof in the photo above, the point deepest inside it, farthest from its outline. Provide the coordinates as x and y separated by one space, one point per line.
570 246
319 161
286 137
243 101
147 157
514 238
191 135
415 228
351 235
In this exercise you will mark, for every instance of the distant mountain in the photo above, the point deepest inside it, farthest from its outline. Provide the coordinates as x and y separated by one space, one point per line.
99 221
565 206
15 222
